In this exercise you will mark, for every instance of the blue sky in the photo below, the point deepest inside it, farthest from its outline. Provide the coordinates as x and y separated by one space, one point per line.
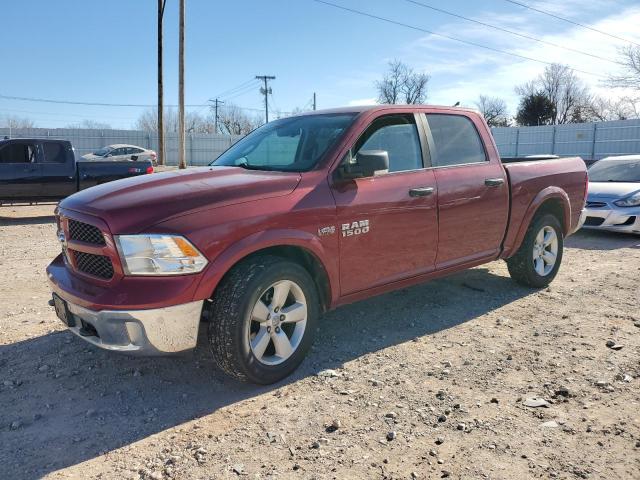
105 51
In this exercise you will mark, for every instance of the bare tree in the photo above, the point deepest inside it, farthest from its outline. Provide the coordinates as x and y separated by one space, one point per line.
90 124
630 76
13 121
148 120
494 110
604 109
194 122
402 85
234 121
566 92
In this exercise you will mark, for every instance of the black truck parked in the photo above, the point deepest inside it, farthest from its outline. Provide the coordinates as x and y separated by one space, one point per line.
33 170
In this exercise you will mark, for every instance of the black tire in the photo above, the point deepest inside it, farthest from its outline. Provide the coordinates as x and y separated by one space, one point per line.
230 313
521 265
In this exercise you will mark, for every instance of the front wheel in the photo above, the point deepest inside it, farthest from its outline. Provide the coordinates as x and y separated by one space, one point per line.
538 259
262 320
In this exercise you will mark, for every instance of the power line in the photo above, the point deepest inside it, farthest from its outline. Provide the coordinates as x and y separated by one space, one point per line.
250 83
449 37
523 35
249 89
544 12
70 102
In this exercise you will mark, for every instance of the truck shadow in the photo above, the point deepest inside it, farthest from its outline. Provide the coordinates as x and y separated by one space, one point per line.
64 402
602 240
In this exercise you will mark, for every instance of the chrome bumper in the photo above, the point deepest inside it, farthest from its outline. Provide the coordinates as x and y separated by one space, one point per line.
140 332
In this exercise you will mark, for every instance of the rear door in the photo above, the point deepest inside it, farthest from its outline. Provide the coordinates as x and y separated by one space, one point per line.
473 192
58 169
386 224
19 170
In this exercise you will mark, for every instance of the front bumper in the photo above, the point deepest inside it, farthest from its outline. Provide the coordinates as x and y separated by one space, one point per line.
156 331
612 218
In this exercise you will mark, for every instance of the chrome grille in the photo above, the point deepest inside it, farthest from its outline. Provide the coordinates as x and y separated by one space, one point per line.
84 232
97 265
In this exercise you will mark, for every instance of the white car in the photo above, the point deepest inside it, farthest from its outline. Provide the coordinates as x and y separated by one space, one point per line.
122 152
613 201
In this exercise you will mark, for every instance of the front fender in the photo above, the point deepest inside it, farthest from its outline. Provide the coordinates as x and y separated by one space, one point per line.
515 236
259 241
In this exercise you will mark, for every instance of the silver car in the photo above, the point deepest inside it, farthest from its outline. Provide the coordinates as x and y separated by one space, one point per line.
613 201
122 152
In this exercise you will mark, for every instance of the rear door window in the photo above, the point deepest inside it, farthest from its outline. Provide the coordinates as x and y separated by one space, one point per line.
455 139
54 152
18 152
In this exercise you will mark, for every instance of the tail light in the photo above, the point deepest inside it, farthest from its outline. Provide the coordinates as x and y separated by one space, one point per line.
150 169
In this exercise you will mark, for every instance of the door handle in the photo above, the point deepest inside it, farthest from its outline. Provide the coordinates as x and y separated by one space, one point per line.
493 182
421 191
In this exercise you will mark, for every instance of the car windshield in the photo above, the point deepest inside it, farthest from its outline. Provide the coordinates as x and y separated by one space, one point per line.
102 152
615 171
293 144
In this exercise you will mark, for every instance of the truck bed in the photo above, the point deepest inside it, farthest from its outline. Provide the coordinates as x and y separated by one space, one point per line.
529 177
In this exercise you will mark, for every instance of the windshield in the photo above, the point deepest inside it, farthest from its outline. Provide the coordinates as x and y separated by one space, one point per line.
102 152
615 171
292 144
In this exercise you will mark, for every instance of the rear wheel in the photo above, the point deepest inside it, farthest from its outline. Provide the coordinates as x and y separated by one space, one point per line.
263 316
538 259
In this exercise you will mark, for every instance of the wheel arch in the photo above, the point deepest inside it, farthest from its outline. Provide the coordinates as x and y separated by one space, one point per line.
551 200
299 247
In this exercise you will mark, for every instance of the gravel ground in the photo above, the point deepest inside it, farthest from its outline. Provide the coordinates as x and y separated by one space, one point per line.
437 380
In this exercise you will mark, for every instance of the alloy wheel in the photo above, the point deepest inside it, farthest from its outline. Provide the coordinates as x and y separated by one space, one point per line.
278 322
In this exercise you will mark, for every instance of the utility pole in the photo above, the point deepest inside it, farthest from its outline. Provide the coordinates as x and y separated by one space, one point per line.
216 102
161 5
181 138
314 100
266 91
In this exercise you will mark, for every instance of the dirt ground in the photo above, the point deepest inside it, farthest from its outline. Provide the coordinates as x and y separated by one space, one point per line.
427 382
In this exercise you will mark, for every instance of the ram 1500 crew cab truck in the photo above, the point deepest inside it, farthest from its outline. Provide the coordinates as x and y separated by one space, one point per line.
33 169
303 215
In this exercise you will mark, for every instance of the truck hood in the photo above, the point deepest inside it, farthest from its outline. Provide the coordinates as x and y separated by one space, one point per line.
133 204
602 190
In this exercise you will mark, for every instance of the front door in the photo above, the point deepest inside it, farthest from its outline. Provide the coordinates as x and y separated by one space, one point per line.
387 223
19 170
473 192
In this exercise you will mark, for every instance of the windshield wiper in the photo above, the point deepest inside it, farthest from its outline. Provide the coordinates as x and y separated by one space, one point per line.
255 167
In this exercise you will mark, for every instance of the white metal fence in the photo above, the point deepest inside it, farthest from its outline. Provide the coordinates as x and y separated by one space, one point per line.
591 141
200 148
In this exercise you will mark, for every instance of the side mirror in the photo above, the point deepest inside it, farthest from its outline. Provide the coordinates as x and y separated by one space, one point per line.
134 157
366 163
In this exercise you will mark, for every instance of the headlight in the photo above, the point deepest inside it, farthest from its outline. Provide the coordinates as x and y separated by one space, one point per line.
632 200
157 254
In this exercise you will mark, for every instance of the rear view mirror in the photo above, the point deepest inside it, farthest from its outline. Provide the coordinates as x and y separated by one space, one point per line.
366 163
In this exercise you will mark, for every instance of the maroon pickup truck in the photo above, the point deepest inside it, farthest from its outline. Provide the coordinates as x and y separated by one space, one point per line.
303 215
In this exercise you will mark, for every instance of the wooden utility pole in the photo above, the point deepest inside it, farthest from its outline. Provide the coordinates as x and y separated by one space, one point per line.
181 134
161 5
266 91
